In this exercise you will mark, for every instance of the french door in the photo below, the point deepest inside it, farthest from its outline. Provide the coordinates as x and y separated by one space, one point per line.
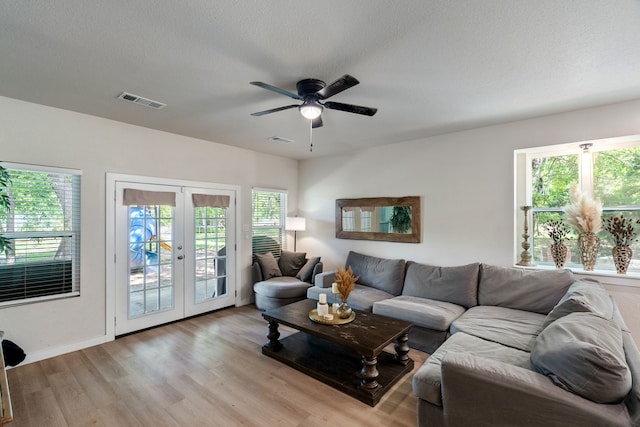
175 253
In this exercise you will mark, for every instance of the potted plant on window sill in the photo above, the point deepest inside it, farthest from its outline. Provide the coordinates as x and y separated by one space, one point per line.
585 214
624 233
557 231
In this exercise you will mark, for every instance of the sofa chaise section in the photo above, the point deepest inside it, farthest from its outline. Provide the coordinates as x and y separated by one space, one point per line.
531 356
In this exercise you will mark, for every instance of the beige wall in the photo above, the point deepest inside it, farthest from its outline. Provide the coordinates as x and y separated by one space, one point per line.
466 181
35 134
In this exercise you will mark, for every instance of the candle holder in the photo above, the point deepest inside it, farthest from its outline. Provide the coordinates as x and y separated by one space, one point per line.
334 291
525 256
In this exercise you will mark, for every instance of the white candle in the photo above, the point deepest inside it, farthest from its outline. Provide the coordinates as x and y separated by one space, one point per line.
323 309
334 288
323 298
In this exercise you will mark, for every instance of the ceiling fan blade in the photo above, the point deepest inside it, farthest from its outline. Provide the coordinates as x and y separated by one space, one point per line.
276 89
343 83
273 110
350 108
317 122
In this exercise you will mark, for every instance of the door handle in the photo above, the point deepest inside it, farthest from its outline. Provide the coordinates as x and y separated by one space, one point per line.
180 256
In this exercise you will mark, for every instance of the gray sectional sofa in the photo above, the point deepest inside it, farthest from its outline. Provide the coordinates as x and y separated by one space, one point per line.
508 346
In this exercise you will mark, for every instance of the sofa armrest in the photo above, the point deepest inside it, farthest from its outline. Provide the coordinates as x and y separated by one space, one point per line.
324 280
317 269
484 392
256 273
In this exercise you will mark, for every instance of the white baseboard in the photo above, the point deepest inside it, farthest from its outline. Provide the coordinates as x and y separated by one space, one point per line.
57 351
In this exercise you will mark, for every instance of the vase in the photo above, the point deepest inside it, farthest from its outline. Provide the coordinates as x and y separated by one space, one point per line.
559 254
344 311
589 245
621 258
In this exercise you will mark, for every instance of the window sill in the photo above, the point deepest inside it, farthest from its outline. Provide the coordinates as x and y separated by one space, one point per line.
606 277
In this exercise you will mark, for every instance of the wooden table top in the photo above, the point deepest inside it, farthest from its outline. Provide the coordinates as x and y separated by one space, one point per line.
368 334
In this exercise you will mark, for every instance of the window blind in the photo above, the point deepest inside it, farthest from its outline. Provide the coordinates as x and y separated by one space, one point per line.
269 209
43 226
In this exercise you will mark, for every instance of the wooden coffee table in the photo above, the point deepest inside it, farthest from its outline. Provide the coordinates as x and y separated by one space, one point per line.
348 357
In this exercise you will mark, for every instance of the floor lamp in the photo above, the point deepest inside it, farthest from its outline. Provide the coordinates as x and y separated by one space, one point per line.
295 224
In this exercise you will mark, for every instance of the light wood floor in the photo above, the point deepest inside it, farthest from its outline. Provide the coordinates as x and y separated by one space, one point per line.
204 371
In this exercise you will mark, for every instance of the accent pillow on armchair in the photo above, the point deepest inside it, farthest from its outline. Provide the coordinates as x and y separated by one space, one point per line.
290 263
269 266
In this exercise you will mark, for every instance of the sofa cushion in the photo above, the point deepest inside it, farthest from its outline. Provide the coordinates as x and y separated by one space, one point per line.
422 312
529 290
427 381
583 296
307 269
269 266
380 273
457 285
583 353
290 263
281 287
506 326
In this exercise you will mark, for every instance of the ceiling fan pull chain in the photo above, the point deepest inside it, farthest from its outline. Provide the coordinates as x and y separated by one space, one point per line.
311 136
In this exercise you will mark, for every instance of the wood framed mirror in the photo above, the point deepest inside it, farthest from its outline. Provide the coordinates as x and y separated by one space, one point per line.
391 219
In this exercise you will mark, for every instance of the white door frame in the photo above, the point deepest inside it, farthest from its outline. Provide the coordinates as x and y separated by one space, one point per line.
110 242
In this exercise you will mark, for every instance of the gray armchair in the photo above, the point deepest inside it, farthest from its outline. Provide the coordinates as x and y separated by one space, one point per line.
283 280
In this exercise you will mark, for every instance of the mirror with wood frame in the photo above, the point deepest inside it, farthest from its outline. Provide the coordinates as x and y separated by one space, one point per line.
391 219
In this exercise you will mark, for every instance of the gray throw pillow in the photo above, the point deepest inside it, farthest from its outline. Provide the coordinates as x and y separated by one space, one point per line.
290 263
307 270
457 285
584 354
583 296
520 289
269 266
380 273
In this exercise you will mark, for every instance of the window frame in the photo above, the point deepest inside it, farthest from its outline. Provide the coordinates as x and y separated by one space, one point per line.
74 234
282 234
523 190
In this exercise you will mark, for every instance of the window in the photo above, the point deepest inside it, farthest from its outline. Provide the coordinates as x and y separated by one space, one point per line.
43 229
269 209
607 169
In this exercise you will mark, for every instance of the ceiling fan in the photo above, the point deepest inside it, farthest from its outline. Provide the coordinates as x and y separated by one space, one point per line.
311 92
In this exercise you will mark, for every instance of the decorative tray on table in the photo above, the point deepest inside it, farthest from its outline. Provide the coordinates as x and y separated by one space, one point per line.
313 315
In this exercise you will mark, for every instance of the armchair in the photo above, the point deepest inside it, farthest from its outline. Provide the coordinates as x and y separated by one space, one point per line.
283 280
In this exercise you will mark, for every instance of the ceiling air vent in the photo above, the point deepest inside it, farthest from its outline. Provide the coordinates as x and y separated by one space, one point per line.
129 97
280 139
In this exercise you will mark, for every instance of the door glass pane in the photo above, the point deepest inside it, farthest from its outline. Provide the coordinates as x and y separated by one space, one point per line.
150 260
211 253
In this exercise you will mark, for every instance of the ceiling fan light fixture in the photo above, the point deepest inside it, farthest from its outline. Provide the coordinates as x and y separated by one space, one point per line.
310 109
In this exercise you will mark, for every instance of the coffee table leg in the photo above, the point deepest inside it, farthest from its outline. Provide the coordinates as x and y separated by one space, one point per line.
369 373
272 337
402 349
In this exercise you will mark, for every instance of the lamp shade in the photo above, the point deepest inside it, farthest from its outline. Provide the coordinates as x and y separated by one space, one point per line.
295 223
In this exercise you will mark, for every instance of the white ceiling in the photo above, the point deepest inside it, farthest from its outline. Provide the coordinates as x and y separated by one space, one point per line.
430 67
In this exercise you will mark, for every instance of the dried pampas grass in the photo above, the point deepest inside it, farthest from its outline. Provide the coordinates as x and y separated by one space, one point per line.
584 212
346 282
